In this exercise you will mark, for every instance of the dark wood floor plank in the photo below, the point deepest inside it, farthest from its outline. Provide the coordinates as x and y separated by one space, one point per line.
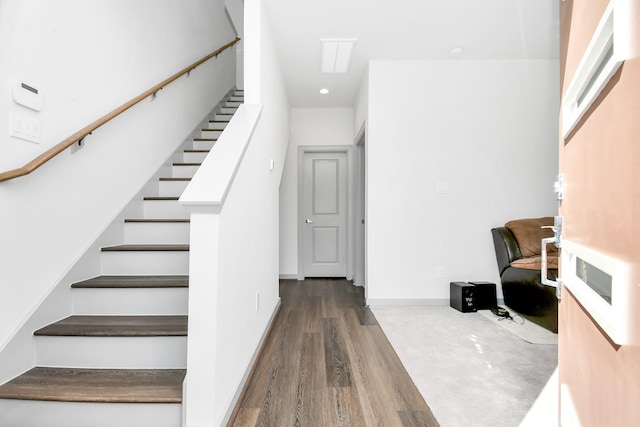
338 367
157 220
418 419
365 316
147 247
247 417
407 395
97 385
344 408
371 380
322 365
276 375
179 281
310 383
290 353
117 326
314 315
267 366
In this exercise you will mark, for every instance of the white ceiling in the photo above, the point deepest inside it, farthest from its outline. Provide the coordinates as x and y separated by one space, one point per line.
403 29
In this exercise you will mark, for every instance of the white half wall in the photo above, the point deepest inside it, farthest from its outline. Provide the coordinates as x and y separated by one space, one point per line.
485 132
249 239
309 126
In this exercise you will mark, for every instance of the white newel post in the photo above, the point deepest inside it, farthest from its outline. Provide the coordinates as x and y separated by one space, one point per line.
203 317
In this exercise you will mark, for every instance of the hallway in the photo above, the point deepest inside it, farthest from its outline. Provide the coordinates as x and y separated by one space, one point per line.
328 363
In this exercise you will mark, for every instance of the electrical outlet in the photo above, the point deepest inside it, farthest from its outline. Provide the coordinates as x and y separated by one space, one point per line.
257 301
440 272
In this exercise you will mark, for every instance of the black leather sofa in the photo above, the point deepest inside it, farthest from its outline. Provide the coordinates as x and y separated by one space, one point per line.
522 288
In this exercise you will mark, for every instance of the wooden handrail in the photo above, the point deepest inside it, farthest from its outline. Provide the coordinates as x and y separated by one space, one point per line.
66 143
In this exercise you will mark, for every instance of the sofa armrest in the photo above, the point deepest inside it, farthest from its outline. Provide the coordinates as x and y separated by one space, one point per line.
506 246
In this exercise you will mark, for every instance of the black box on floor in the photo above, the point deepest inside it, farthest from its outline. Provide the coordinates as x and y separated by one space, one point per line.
461 296
484 295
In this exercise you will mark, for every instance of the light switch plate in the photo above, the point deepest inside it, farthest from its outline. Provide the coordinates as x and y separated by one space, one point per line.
24 127
442 187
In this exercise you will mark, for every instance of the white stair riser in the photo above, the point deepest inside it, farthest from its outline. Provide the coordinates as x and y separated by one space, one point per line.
221 116
156 232
194 157
183 171
236 98
112 352
164 209
216 125
171 188
233 103
33 413
145 262
136 301
228 110
203 145
207 133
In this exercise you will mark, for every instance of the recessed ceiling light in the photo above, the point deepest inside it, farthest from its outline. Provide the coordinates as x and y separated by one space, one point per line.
324 91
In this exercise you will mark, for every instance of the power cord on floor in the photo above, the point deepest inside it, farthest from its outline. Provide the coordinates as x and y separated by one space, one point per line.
503 313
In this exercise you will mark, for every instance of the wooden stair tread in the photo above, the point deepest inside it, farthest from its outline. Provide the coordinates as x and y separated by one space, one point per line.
101 282
205 139
187 164
97 385
197 151
117 326
218 121
157 220
164 247
175 179
155 198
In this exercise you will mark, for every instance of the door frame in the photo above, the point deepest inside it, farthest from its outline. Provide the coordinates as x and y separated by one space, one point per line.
350 249
360 200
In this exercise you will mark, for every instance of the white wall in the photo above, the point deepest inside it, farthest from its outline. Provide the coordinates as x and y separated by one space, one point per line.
488 130
309 126
249 219
361 109
235 10
87 58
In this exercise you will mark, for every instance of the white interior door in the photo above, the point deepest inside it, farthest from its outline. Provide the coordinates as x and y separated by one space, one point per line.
324 214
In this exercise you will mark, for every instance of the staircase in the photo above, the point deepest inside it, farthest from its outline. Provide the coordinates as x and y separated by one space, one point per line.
120 359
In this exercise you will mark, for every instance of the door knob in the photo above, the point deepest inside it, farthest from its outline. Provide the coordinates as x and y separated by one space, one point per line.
308 221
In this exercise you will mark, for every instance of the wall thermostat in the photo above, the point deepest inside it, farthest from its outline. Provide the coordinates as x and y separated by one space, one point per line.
27 95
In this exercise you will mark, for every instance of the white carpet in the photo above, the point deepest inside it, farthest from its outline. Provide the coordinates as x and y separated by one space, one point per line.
523 328
471 371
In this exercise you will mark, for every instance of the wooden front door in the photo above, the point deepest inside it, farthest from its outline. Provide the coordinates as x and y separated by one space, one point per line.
599 364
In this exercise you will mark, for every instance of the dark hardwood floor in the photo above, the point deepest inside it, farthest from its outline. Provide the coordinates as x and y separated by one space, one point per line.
327 362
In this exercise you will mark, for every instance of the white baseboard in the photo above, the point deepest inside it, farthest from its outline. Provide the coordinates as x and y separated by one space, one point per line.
289 276
408 302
